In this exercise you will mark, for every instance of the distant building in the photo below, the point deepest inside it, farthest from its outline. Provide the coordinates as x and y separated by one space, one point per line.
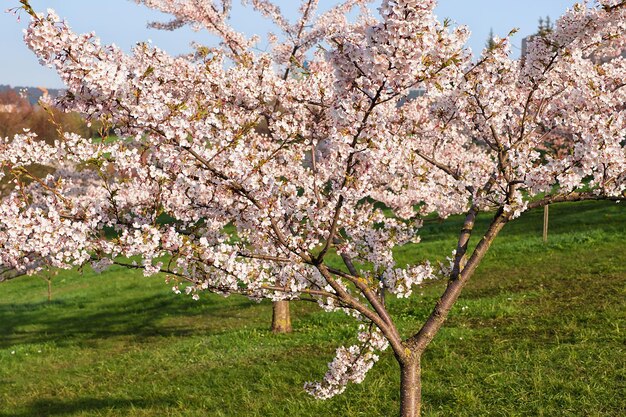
413 95
525 42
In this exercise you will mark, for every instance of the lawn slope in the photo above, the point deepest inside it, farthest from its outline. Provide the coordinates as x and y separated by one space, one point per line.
540 331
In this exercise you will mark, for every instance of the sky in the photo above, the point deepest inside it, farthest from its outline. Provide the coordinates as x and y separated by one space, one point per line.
123 22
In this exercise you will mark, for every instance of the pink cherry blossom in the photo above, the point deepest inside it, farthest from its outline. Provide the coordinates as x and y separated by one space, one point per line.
240 172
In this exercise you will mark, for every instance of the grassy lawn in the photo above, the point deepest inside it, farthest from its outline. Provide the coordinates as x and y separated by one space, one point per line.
540 331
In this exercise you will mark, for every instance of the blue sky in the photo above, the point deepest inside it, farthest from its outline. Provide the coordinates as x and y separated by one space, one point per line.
123 22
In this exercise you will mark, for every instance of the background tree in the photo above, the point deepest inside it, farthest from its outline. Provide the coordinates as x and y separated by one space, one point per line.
19 114
545 26
47 122
342 169
491 41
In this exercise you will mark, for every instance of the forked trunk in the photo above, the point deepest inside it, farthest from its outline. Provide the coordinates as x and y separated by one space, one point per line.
281 319
410 389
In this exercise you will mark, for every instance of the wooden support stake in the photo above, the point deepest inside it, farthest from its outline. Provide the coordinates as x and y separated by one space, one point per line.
545 223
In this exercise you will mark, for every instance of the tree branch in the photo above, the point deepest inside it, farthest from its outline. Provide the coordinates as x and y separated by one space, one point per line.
571 197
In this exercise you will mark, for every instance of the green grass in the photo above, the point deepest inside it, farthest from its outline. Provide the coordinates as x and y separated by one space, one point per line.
540 331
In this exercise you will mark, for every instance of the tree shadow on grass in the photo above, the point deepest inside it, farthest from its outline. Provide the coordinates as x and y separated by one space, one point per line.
582 217
63 322
55 407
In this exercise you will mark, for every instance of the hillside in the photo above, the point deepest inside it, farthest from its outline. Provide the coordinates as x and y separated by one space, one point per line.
32 93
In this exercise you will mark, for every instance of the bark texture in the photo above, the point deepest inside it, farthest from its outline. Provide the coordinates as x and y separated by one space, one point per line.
410 389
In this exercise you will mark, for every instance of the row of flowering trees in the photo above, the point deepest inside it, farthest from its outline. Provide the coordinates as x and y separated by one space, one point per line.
338 147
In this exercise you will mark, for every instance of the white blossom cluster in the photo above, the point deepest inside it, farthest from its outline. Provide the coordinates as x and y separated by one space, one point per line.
350 364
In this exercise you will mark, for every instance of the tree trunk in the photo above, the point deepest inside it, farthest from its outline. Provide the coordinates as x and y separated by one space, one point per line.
281 319
410 388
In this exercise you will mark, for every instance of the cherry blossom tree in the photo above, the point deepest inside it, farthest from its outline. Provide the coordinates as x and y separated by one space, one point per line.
347 165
